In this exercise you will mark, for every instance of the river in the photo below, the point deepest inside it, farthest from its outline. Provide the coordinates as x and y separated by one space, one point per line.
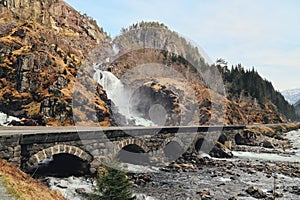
289 155
223 178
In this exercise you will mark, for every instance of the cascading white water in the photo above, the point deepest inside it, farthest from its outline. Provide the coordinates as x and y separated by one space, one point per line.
119 95
5 119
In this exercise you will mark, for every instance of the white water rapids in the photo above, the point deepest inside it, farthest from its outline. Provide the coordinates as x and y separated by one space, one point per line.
119 95
293 137
69 186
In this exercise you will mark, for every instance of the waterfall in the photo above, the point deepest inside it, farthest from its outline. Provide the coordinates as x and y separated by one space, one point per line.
5 119
119 95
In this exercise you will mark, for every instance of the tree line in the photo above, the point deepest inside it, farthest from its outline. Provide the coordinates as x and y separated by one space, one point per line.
240 81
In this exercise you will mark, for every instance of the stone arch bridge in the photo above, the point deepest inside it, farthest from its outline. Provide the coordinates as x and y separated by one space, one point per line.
28 146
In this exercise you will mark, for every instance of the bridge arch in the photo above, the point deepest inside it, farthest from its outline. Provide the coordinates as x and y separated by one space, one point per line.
133 150
57 149
173 148
133 141
175 139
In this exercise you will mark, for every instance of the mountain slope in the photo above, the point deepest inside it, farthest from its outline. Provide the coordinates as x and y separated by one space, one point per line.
42 46
153 42
265 104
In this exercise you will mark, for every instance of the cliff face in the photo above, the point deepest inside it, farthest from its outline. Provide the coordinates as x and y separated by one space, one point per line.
62 24
42 47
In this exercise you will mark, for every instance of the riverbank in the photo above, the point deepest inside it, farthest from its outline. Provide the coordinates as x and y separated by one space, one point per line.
224 179
251 175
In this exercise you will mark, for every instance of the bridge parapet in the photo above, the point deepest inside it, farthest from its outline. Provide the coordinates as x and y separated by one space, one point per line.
95 145
10 148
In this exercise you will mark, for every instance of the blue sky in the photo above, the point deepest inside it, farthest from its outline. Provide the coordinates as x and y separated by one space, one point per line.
260 33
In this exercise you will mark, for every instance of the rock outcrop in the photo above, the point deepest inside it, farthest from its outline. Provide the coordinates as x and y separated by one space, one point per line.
42 47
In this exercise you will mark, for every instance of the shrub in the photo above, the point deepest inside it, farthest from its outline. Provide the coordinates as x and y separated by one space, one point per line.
112 184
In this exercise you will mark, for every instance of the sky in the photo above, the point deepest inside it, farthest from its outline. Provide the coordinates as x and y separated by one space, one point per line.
264 34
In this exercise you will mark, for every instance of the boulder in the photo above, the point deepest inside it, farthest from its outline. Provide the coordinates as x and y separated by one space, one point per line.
217 149
80 191
267 144
220 151
245 138
222 139
256 192
204 194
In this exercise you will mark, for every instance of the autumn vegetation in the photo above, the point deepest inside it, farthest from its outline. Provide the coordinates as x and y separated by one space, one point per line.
23 187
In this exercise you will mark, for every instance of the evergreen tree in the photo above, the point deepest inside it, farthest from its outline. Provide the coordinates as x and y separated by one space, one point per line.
112 184
248 82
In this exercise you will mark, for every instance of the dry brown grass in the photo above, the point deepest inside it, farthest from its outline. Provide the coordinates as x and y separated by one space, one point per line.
274 130
23 187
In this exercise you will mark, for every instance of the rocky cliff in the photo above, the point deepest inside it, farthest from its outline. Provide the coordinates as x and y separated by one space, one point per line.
42 46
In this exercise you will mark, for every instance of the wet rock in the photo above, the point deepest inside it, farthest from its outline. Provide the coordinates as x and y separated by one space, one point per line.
256 192
278 195
140 179
80 191
267 144
246 138
62 187
204 194
222 139
220 151
294 190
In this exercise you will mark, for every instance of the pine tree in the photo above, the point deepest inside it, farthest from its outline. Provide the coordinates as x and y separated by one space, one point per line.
112 184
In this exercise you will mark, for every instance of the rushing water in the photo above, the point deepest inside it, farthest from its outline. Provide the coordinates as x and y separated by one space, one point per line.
68 185
289 156
119 94
6 119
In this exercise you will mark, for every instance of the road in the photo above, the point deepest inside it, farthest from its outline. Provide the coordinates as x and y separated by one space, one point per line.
64 129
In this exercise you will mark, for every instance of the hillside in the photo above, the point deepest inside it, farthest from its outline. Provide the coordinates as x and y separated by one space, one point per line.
263 103
47 50
248 98
42 46
22 186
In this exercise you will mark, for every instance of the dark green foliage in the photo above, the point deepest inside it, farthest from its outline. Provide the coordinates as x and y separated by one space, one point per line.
42 39
250 83
144 24
297 108
113 185
57 93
